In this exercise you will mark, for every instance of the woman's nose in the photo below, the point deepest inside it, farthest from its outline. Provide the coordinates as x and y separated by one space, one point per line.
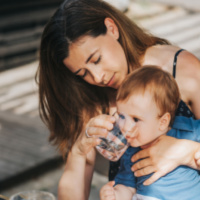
98 75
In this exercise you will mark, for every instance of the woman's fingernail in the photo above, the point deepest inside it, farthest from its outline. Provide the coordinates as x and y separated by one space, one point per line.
110 126
145 183
104 130
197 155
98 141
113 119
132 169
136 174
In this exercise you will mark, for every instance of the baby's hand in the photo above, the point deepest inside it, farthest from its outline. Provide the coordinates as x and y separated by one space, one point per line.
197 159
107 192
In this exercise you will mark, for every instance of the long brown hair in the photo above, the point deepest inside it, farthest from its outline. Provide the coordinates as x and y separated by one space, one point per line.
67 101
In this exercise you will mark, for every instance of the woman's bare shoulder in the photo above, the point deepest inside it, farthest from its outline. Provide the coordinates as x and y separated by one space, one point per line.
189 64
165 53
188 76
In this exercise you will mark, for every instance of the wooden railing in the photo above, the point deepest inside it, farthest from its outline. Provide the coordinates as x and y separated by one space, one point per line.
21 26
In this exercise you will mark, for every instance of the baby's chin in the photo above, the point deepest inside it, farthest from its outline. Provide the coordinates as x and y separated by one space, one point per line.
144 146
141 145
135 144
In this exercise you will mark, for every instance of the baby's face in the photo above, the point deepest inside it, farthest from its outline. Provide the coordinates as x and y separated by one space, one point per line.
144 112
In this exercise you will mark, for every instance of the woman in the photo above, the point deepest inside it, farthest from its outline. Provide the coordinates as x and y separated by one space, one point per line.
87 49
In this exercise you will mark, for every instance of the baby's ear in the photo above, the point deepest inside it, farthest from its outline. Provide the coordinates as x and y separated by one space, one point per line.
164 121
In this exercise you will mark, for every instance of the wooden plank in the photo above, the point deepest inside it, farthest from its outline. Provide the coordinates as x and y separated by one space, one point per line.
142 9
177 24
19 90
20 5
17 60
20 35
17 48
197 53
186 34
8 22
21 104
191 45
165 17
23 144
191 5
10 77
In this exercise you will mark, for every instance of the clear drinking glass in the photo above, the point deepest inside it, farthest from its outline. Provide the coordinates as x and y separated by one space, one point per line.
115 144
33 195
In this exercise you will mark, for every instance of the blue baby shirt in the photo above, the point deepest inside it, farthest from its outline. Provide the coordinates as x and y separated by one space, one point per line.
183 183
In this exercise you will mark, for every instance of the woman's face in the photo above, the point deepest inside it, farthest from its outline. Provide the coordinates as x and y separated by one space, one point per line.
99 60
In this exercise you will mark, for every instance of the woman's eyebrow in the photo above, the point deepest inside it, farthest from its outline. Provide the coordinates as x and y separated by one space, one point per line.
90 57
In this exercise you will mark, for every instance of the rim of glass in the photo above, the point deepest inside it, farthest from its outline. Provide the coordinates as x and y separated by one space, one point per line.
32 192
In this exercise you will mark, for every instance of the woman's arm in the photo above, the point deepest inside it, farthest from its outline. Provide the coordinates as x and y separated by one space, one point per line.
166 154
76 179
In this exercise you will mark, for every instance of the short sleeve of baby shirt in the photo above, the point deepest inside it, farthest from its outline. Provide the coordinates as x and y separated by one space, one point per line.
196 124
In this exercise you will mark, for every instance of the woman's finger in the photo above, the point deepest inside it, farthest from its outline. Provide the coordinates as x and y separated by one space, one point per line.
145 171
197 155
154 177
198 162
103 121
95 131
141 154
141 164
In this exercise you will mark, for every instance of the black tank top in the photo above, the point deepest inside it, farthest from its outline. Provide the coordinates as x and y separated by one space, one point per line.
182 110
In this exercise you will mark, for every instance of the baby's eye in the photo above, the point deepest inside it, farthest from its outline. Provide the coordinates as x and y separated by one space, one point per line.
135 119
121 116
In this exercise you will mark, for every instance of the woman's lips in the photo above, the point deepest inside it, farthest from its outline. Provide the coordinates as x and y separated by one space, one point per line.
111 81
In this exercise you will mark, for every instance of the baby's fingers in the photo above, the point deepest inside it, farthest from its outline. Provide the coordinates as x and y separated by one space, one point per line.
107 191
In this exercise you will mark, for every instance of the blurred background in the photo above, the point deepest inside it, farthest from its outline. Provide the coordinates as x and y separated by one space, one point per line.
27 160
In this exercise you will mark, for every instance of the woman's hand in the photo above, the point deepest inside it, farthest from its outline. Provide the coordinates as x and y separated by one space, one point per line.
197 159
163 156
97 126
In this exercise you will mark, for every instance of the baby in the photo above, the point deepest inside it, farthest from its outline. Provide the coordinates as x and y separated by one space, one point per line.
150 96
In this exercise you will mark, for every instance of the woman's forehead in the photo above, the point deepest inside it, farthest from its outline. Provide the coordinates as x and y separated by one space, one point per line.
80 51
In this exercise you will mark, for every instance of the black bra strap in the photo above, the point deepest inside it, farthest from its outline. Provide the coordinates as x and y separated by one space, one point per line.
175 61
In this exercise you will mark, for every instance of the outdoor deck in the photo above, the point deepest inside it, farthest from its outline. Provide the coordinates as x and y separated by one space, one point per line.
24 142
24 139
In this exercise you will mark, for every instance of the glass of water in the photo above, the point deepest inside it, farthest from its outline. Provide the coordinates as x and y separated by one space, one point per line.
33 195
115 144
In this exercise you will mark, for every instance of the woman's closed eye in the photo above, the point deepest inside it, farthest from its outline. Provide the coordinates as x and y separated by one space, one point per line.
85 73
98 60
